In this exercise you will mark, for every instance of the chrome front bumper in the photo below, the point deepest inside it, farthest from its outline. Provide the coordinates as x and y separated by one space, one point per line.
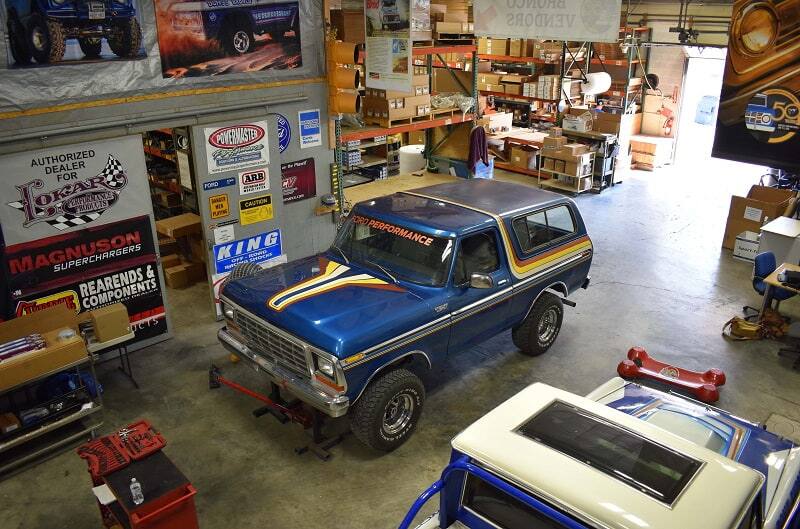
334 406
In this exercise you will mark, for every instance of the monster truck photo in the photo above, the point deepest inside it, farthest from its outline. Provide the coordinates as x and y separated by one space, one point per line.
54 31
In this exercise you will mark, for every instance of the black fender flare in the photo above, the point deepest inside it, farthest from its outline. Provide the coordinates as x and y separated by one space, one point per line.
398 360
558 288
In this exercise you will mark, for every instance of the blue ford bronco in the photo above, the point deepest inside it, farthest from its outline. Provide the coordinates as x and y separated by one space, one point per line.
39 29
410 278
234 23
624 456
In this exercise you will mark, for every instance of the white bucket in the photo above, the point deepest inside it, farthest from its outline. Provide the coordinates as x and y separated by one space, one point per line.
411 158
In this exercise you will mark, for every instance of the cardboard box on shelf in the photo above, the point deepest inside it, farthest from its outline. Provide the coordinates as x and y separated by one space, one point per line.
170 260
437 12
572 168
520 156
177 276
490 78
416 137
444 83
349 25
462 17
575 149
559 165
516 47
579 122
455 28
749 213
513 89
549 164
110 322
179 225
498 47
554 142
57 353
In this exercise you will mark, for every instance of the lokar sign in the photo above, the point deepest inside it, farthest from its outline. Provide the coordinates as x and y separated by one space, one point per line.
90 268
68 188
236 147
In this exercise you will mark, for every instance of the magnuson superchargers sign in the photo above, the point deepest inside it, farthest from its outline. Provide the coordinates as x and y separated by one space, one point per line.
64 189
579 20
88 269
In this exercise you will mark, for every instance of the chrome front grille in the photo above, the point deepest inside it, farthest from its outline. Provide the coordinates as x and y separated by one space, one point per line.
274 345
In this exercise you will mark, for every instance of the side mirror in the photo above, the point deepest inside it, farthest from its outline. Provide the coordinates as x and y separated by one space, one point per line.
477 280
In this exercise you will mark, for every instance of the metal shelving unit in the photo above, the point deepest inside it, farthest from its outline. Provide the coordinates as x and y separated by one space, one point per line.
13 445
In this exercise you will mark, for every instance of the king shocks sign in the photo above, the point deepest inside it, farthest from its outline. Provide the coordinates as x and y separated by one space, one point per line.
88 269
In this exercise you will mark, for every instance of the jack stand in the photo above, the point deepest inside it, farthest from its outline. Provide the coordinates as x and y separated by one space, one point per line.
275 396
320 445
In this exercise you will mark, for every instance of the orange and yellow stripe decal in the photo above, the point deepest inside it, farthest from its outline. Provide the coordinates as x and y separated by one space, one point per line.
522 268
332 276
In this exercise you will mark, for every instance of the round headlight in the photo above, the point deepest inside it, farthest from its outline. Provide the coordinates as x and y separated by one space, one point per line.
757 29
325 367
227 311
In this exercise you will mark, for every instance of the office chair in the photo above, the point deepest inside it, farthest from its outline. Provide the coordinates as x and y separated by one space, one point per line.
763 265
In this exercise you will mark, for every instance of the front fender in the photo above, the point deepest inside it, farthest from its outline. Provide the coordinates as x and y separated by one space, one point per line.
364 374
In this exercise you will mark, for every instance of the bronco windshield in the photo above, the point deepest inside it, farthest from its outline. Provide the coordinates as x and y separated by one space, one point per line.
402 252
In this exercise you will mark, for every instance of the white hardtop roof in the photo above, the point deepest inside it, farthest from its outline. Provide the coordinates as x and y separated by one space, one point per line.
715 498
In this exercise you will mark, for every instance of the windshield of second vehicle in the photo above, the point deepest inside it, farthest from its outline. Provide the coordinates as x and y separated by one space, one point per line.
404 253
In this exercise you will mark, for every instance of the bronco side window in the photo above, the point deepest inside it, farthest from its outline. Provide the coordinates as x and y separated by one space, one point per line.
476 253
543 227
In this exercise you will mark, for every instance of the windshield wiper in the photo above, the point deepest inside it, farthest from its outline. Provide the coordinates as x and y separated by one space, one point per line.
346 260
384 270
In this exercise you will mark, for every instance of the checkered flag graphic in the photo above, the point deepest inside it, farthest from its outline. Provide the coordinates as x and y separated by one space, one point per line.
114 175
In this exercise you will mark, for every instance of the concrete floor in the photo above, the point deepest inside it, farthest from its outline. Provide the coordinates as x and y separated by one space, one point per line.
660 280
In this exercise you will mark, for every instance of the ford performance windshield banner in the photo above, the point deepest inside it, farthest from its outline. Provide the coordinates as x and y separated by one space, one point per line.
215 37
88 269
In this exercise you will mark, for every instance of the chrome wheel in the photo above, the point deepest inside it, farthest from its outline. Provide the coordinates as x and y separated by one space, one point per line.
398 413
38 39
241 41
548 325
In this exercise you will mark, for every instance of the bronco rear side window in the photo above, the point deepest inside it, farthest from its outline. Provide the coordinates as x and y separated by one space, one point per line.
540 228
653 469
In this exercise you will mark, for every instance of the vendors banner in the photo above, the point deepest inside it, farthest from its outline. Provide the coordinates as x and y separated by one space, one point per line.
577 20
759 112
88 269
65 189
388 44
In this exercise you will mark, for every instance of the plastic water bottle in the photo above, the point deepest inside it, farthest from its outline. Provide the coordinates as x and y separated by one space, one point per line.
136 492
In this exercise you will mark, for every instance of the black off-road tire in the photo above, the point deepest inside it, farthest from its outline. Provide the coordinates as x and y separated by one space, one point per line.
368 413
241 271
126 38
90 47
18 43
46 39
237 37
547 315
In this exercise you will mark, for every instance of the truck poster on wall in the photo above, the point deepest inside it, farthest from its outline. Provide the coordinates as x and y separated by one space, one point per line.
388 44
759 112
59 190
215 37
52 32
88 269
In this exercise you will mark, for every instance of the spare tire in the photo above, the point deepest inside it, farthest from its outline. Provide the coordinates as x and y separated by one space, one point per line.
241 271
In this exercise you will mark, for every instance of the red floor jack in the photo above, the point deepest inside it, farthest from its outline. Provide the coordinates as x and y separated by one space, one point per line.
284 411
703 386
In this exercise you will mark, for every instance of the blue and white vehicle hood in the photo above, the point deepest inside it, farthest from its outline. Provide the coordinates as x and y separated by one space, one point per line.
339 308
778 459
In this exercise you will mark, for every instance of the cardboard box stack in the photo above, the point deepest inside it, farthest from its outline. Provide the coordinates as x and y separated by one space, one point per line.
451 18
384 106
543 87
188 265
658 115
751 212
571 160
578 119
544 50
349 24
650 152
